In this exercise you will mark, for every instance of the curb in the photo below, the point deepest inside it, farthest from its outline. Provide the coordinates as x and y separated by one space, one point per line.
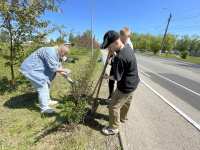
122 142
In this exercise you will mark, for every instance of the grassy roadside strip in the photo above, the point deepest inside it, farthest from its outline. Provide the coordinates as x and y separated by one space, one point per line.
190 59
21 123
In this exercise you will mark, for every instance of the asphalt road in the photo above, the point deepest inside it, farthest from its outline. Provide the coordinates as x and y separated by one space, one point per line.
153 124
177 81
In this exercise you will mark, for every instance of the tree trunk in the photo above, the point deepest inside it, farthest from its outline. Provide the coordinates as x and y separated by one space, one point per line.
166 52
12 65
11 57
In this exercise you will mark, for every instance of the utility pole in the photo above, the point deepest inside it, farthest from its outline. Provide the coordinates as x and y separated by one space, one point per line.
92 44
166 29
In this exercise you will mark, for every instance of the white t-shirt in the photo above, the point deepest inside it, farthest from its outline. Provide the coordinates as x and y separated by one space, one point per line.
129 43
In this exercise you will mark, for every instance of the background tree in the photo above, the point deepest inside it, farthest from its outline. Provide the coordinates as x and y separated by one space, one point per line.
71 37
183 45
169 43
141 41
83 40
155 44
152 43
194 48
21 19
63 34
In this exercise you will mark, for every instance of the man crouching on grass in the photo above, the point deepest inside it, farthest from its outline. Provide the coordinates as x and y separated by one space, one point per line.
41 67
125 72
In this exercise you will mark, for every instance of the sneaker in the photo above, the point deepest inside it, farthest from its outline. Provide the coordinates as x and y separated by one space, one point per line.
48 111
108 101
110 131
51 102
109 97
123 120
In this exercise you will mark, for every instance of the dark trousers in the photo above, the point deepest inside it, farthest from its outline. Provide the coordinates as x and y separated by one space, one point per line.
111 84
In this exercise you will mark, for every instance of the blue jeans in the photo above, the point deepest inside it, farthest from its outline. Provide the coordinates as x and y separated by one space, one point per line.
43 95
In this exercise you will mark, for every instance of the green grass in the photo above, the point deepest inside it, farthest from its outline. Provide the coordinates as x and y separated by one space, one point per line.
191 59
22 127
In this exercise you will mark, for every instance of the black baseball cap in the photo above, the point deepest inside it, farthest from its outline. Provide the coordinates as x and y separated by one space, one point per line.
109 37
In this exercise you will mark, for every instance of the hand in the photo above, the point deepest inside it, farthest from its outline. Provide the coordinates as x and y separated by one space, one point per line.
106 76
110 61
64 74
67 71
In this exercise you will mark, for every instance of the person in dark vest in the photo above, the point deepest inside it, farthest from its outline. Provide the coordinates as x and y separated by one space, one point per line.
125 72
125 38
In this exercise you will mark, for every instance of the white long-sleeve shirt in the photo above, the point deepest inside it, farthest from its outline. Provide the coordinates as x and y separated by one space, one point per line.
130 43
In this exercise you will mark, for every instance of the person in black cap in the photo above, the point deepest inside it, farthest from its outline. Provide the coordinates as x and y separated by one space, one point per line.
125 72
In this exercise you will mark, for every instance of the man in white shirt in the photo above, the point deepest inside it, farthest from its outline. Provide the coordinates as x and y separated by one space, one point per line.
125 35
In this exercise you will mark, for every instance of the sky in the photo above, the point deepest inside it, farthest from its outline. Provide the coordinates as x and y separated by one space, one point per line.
141 16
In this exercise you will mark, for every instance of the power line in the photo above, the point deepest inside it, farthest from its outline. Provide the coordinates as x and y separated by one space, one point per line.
197 16
186 27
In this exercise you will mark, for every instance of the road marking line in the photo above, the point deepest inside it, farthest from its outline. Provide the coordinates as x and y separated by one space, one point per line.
195 124
145 74
196 93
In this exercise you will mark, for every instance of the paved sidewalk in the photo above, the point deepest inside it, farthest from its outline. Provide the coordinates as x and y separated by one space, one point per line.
153 125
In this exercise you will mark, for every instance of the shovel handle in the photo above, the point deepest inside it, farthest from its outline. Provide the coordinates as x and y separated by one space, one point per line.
102 74
99 83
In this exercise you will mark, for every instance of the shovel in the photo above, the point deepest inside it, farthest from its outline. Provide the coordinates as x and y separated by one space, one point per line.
72 82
